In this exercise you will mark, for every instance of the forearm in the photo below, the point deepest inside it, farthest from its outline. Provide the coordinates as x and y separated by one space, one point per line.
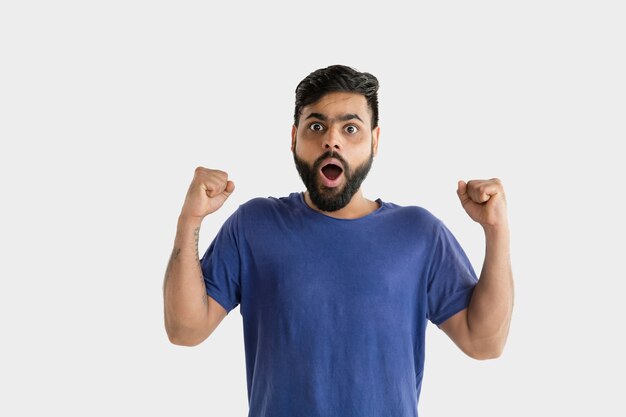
491 306
184 291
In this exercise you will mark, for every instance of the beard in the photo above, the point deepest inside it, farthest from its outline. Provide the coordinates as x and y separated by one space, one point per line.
332 198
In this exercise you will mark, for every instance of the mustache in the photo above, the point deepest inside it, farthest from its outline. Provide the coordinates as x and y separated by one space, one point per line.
329 154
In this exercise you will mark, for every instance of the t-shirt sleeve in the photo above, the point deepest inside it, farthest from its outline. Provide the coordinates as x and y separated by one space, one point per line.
451 279
221 265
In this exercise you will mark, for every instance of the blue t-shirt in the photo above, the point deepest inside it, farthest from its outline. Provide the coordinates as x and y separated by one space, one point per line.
335 310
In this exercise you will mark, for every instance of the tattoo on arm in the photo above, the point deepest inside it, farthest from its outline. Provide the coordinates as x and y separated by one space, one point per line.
174 257
196 236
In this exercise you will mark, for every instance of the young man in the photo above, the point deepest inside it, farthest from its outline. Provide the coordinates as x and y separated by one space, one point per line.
335 290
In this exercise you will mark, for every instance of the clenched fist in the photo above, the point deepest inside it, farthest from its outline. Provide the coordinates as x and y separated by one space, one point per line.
484 202
207 193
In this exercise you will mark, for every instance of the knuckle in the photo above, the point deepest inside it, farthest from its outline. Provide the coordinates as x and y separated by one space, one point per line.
220 174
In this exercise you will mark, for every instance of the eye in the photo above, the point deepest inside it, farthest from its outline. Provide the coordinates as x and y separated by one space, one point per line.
316 127
352 129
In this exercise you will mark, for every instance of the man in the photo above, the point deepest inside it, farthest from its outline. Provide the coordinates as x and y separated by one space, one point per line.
335 290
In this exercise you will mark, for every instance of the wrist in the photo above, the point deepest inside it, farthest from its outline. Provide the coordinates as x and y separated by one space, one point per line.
186 221
500 231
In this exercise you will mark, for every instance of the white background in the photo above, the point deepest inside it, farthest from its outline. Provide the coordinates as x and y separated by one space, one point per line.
106 108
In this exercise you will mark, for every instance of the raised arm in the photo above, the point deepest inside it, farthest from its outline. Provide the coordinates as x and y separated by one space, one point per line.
190 314
481 330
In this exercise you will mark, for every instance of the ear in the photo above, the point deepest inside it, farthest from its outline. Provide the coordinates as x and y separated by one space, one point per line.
294 131
375 135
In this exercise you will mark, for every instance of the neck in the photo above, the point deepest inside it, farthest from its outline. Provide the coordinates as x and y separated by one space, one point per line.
358 206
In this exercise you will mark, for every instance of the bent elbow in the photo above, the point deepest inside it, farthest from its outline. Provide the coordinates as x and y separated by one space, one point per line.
484 356
184 342
184 336
486 352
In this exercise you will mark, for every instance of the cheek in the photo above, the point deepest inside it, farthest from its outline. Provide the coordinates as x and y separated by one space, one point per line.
364 151
297 148
303 145
301 151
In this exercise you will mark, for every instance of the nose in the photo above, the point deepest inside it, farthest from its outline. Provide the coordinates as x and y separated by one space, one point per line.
332 140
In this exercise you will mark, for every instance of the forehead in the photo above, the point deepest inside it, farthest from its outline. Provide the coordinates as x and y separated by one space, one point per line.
336 104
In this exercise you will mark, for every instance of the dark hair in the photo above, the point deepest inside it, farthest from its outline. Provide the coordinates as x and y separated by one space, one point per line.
337 78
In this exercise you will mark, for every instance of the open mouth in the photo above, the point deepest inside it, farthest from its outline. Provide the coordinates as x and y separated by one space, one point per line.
332 171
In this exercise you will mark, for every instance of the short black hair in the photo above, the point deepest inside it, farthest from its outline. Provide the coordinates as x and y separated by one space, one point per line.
337 78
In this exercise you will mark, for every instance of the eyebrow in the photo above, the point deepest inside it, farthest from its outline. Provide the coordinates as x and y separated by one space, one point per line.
342 118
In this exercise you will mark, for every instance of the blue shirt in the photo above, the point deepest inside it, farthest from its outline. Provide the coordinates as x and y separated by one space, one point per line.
335 310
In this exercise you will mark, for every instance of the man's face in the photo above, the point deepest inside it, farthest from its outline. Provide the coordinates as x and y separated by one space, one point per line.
333 148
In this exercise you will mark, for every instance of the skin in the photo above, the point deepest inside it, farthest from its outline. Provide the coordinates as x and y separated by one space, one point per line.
190 315
480 330
353 139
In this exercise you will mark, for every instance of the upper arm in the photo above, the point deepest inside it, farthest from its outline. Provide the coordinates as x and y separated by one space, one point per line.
457 328
192 336
216 314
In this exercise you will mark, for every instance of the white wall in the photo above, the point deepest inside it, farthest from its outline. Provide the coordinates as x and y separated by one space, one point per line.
106 109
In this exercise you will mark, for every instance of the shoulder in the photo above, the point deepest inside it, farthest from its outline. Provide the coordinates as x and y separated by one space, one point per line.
266 204
260 210
414 216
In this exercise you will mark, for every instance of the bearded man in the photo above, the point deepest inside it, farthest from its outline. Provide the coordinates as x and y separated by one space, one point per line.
336 289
